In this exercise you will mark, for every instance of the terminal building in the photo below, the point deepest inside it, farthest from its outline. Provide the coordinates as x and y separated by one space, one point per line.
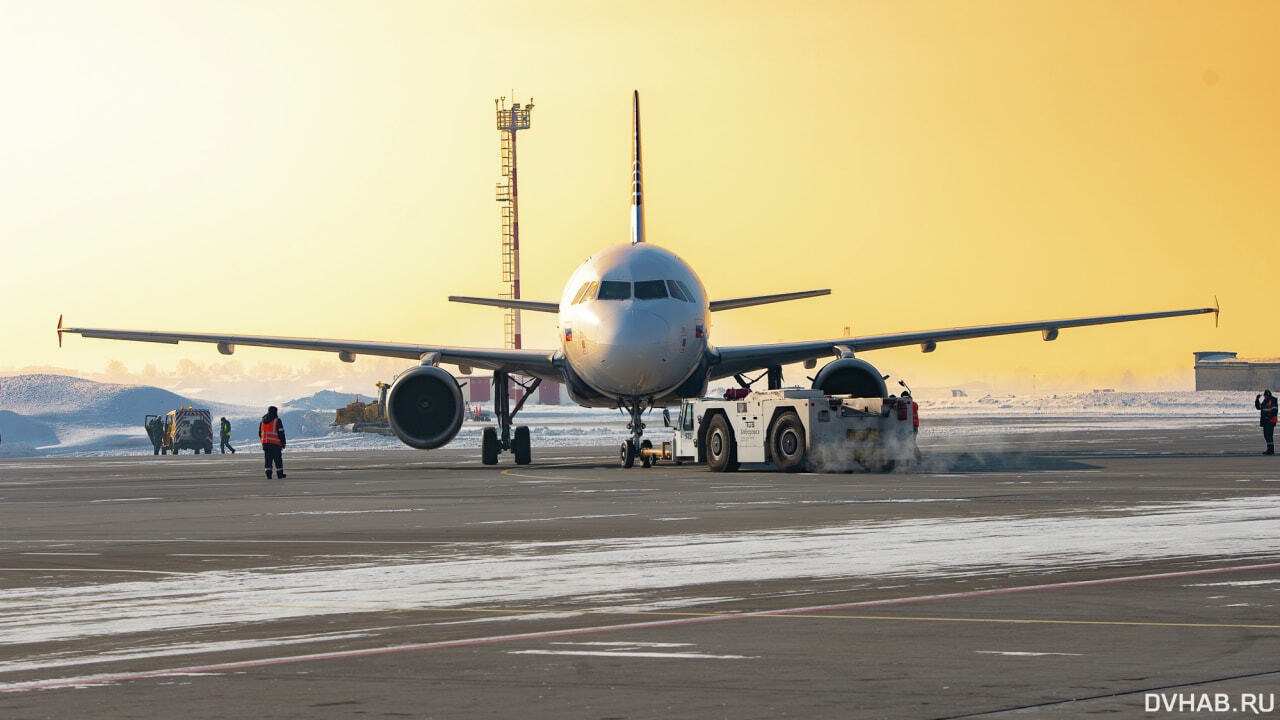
1216 370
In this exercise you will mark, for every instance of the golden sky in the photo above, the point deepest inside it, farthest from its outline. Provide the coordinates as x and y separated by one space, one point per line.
327 169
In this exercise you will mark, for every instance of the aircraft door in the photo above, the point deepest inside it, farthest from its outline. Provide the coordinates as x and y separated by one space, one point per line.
685 424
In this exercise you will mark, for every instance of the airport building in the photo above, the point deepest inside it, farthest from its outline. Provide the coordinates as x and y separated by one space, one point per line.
1216 370
479 389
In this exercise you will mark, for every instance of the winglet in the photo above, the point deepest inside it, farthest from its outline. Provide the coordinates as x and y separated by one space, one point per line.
1216 311
637 194
60 331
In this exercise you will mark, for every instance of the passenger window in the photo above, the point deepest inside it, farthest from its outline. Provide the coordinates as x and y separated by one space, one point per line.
676 292
651 290
614 290
582 292
685 288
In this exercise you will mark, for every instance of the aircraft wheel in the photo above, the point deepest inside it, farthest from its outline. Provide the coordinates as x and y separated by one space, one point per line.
520 446
722 455
645 460
489 446
787 443
627 454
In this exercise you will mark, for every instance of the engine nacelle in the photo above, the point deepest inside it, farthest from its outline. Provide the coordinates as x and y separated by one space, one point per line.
850 376
425 407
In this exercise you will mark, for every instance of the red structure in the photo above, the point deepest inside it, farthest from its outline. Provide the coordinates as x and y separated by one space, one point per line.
549 393
510 120
479 388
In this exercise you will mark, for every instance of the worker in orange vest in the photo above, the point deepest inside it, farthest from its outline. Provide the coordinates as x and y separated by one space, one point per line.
915 416
915 411
271 431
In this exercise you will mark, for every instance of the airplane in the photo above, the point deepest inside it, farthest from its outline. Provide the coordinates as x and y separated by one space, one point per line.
634 333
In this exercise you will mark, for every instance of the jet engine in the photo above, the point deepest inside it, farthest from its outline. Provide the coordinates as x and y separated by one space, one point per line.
425 407
850 376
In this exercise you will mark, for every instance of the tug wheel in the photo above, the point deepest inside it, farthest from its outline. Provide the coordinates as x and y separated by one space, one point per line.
787 443
722 454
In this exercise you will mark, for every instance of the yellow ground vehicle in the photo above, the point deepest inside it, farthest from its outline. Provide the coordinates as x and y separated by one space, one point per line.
366 417
186 428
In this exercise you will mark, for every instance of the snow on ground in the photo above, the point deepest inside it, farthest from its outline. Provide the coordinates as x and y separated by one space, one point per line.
548 427
623 573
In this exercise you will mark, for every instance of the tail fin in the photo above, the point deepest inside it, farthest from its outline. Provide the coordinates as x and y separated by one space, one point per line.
637 194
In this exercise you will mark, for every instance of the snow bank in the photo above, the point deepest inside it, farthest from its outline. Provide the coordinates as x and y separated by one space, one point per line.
327 400
60 398
1136 404
44 414
15 428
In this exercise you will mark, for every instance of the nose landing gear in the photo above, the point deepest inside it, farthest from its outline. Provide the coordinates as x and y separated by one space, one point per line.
633 446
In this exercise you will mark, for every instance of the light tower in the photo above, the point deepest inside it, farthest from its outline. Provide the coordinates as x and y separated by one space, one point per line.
510 120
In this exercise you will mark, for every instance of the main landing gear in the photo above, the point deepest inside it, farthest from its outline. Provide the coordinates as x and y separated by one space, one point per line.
634 447
490 441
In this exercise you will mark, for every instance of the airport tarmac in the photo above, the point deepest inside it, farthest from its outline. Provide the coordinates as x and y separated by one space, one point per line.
1059 567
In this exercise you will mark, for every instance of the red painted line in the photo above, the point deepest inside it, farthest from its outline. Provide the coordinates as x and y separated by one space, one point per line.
1023 588
470 642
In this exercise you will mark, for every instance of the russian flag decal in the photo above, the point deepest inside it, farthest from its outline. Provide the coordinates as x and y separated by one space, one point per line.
698 331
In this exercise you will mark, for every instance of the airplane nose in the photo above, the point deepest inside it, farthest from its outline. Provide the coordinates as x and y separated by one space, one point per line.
636 354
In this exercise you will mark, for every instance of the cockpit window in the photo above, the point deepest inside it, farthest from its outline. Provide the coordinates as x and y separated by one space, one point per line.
685 288
676 292
582 291
651 289
614 290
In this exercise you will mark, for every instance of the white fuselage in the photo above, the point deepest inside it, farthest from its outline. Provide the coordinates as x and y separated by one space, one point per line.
634 322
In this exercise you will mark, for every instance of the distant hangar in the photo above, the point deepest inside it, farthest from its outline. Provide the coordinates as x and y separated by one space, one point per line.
1217 370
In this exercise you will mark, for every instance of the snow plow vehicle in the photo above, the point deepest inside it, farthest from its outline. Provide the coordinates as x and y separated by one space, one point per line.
793 428
186 428
365 417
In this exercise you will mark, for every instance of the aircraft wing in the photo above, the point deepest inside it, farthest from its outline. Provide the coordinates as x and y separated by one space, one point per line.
727 361
718 305
537 363
530 305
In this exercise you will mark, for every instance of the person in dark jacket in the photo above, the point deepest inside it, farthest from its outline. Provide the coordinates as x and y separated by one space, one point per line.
225 432
1266 405
155 431
271 432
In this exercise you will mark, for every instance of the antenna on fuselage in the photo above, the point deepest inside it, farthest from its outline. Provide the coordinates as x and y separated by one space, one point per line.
637 194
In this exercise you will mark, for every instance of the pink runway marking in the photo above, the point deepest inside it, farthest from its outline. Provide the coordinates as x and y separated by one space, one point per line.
468 642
